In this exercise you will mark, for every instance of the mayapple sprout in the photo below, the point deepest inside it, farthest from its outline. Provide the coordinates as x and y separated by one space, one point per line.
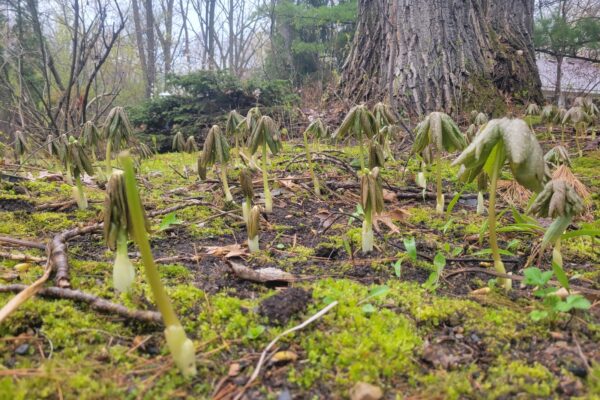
178 143
253 226
117 227
361 122
371 199
181 348
315 130
481 119
117 132
560 201
233 129
376 157
90 137
503 140
216 152
247 192
557 156
190 145
20 146
558 120
531 111
549 113
441 132
482 184
385 118
78 163
591 109
265 134
426 157
579 119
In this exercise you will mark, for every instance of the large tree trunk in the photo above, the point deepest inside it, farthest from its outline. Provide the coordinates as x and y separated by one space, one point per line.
442 54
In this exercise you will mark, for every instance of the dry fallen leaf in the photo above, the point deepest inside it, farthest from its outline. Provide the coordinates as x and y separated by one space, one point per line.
288 183
232 250
389 196
388 218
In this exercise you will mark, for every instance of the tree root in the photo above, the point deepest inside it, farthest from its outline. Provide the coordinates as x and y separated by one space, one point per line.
94 302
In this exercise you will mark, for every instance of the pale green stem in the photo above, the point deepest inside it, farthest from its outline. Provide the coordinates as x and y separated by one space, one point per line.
108 158
123 271
498 264
440 197
181 347
225 183
367 231
267 192
81 199
310 166
69 177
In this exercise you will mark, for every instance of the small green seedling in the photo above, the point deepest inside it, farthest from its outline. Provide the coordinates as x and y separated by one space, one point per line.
552 304
579 119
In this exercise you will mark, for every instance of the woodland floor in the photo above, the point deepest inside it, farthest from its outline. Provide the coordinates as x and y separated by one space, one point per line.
454 342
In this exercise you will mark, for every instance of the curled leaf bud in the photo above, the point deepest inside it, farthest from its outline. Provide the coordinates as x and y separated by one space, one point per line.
246 183
253 222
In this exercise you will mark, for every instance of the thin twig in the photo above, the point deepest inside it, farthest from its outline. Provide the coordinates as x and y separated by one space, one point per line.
274 341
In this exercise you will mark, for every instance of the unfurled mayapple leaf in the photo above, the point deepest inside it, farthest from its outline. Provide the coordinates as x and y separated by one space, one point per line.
90 136
549 113
117 128
560 201
77 160
576 115
481 119
556 200
440 131
557 156
384 116
532 109
215 149
178 143
316 129
359 121
265 131
190 145
517 144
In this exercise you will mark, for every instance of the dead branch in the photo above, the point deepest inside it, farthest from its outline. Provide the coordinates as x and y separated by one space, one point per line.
94 302
26 293
22 242
21 257
262 275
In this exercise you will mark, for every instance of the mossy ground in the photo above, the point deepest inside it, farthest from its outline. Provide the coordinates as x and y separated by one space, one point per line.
412 342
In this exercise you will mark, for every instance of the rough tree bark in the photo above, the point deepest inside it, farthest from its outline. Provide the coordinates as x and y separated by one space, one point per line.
442 54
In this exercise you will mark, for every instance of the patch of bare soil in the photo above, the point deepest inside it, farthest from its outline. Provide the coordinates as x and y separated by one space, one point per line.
281 307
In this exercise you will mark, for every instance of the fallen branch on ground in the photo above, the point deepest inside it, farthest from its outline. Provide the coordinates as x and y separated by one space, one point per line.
94 302
262 275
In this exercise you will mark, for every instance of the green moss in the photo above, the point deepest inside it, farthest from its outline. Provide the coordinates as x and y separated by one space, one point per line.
517 378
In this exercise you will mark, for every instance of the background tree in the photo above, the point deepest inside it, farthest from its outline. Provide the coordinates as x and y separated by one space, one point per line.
434 56
567 29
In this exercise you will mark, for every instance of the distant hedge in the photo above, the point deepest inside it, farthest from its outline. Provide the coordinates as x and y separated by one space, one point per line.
200 99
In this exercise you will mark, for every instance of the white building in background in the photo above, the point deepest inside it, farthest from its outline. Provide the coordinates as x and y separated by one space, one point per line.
579 78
